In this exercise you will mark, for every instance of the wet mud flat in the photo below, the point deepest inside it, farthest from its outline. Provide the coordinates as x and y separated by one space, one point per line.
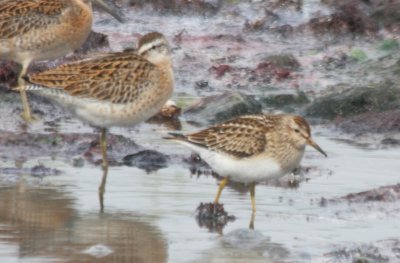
335 62
343 213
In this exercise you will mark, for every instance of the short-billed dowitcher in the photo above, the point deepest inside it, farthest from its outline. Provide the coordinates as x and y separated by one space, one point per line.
117 89
251 149
34 30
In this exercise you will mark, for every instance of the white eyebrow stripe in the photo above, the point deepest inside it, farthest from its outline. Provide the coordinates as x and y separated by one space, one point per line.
155 42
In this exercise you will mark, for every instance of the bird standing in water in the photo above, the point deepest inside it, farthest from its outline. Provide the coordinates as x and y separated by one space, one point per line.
251 149
115 89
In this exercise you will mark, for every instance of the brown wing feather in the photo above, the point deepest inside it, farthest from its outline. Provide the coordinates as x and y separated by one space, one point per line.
20 16
117 78
241 137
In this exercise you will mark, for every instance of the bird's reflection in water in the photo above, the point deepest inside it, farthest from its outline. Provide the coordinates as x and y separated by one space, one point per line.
147 160
44 225
244 245
102 188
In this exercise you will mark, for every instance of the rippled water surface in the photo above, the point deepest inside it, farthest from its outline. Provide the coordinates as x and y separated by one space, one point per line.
151 217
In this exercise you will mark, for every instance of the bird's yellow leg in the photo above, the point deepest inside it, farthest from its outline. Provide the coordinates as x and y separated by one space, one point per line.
102 187
253 204
26 115
221 186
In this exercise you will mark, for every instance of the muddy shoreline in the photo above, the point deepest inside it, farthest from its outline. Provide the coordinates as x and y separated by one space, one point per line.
335 62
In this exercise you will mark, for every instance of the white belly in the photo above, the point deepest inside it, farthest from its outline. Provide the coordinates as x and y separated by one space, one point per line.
110 114
106 114
244 170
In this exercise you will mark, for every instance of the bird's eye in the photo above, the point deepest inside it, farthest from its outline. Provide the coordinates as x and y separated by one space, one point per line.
153 47
297 130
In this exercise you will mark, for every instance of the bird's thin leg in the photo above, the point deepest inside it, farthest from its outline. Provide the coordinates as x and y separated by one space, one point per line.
253 216
102 187
253 204
103 145
26 115
221 186
252 196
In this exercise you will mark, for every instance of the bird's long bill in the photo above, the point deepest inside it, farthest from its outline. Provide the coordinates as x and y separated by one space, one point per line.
111 10
316 146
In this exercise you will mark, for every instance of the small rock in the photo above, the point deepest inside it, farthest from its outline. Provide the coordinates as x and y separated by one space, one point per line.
202 85
390 142
323 202
338 61
42 171
94 42
279 67
78 161
170 110
285 61
9 71
285 102
387 14
356 100
148 160
263 23
382 194
283 30
213 216
222 107
168 116
118 147
349 19
220 70
372 122
379 251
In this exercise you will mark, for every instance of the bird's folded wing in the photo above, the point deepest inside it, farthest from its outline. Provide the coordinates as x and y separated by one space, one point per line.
116 78
20 16
240 138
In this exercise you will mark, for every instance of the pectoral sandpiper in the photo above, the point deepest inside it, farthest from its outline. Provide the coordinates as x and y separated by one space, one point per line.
34 30
251 149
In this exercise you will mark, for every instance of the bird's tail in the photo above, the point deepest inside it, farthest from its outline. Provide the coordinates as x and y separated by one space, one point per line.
29 87
175 136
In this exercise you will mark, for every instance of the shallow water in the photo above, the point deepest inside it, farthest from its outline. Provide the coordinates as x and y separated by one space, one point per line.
151 217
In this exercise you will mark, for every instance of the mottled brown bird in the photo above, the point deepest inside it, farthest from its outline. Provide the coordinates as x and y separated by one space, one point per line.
252 148
115 89
34 30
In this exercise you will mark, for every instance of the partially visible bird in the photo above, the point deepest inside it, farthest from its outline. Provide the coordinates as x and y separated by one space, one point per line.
34 30
115 89
252 149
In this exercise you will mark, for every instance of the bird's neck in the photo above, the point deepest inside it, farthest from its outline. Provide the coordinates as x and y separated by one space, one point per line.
165 66
287 152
